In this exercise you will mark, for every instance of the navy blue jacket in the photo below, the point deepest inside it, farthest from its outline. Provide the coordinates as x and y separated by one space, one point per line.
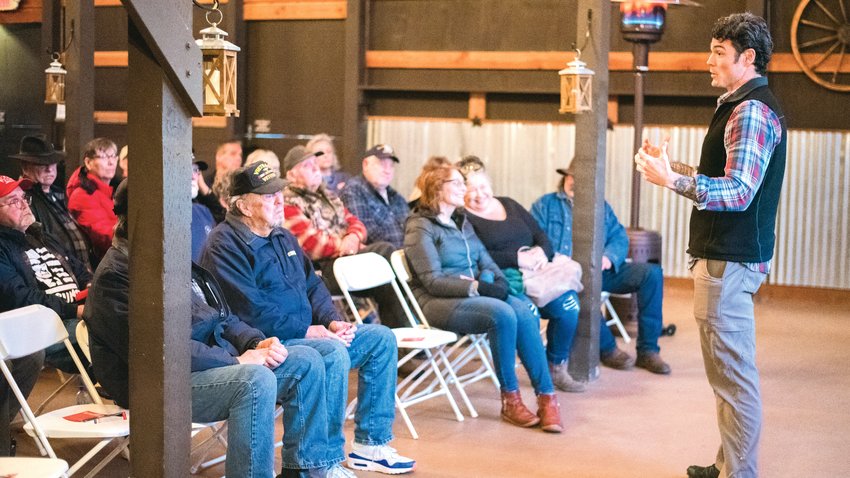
18 284
217 336
268 281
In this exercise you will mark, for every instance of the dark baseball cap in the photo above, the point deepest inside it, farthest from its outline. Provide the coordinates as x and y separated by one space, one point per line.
257 178
381 151
296 155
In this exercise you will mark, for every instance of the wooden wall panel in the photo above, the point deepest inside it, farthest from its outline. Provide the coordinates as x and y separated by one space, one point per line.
295 10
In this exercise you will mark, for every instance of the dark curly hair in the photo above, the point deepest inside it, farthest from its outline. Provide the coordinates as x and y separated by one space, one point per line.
746 30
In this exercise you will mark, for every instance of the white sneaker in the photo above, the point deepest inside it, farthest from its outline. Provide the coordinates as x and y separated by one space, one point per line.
339 471
380 458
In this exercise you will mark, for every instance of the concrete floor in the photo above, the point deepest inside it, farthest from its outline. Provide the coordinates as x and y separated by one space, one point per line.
637 424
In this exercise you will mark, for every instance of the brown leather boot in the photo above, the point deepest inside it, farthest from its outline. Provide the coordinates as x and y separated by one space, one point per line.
514 411
549 411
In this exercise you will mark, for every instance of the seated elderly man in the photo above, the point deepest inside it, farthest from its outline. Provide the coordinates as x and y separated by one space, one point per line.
270 283
327 230
237 373
35 269
554 213
371 199
47 200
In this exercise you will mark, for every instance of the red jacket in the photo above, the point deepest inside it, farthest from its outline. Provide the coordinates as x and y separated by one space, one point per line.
92 211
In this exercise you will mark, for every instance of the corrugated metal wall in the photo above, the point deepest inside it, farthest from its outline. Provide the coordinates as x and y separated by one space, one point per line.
813 227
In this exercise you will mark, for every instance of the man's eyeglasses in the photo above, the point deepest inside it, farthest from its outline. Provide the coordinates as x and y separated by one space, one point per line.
18 202
106 156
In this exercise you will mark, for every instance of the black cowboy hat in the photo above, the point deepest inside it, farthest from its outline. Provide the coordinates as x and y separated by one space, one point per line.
36 149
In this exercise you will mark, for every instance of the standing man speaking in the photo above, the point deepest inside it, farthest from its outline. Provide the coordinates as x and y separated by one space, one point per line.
735 190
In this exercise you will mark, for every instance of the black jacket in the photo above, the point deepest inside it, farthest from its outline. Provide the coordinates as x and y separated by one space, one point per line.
52 213
217 336
18 284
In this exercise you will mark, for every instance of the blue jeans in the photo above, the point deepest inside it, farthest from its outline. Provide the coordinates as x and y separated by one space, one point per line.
373 352
512 327
562 314
25 371
648 282
245 396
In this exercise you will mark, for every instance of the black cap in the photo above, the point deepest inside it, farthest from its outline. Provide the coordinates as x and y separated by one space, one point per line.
381 151
257 178
566 171
36 149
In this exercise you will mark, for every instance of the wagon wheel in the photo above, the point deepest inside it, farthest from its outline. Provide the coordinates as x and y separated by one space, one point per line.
820 40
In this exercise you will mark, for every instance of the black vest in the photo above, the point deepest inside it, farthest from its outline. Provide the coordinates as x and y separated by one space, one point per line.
739 236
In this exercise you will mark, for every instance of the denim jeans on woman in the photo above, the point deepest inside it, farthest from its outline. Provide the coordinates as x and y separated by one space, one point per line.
512 326
562 314
373 352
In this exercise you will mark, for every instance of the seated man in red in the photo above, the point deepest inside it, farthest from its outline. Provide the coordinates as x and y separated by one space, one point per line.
327 230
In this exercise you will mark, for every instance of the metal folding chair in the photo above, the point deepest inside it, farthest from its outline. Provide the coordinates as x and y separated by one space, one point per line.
369 270
613 317
33 328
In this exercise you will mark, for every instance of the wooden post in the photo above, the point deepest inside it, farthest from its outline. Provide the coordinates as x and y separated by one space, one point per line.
354 109
51 25
79 82
160 134
588 209
165 91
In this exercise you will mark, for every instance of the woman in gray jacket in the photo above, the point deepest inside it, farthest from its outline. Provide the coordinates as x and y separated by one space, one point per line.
461 289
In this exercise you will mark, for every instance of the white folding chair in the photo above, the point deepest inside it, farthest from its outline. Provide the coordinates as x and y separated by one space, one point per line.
20 467
33 328
369 270
468 348
613 317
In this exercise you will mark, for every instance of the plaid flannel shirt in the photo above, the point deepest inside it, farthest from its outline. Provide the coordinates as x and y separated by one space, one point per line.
752 133
384 220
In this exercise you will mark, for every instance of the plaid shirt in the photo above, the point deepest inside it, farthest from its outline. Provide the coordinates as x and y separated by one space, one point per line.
752 133
384 220
319 221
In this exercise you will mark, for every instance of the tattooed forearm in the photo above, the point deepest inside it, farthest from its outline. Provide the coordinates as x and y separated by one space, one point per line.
686 186
683 169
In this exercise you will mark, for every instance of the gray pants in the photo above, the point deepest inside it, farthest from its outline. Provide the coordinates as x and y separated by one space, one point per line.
723 308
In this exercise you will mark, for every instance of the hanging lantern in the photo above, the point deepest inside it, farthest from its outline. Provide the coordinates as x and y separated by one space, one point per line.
54 79
576 87
219 71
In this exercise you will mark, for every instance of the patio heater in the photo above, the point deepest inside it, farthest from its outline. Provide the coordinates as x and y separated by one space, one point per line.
642 24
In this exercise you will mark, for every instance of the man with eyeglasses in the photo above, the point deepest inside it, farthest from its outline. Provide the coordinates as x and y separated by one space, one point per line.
33 270
47 200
